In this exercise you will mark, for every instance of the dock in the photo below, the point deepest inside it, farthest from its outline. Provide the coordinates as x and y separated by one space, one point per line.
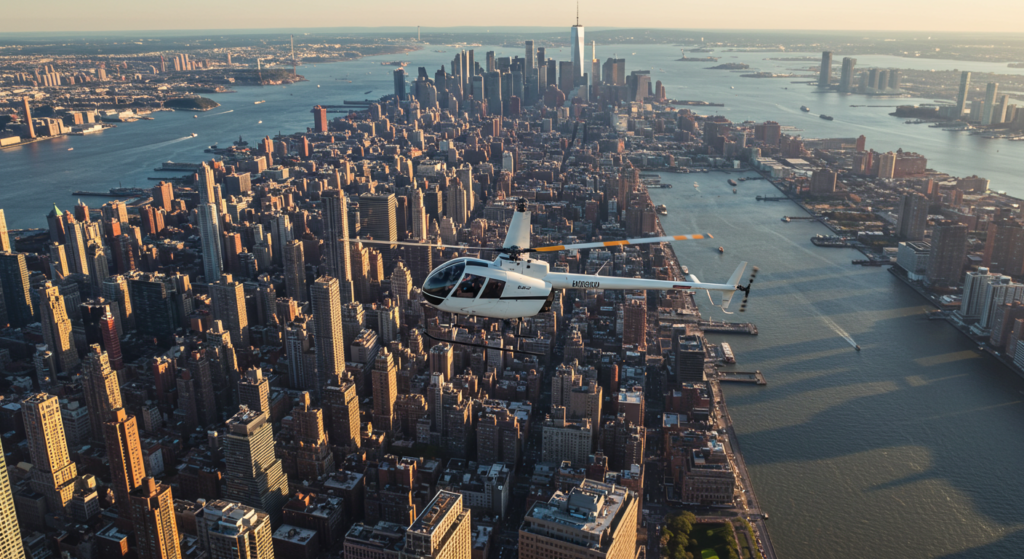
721 327
755 377
771 198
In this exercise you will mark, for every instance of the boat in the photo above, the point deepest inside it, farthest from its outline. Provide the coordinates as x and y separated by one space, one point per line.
258 102
732 87
825 117
71 149
805 109
195 116
695 185
732 182
857 347
666 185
734 191
727 355
721 250
367 92
260 122
785 219
661 209
317 85
194 134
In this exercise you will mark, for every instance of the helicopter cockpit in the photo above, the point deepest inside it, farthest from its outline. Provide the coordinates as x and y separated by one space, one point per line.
462 279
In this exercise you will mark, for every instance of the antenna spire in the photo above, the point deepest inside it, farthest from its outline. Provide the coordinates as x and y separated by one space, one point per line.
577 13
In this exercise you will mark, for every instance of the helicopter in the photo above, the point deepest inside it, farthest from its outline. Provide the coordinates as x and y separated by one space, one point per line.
514 286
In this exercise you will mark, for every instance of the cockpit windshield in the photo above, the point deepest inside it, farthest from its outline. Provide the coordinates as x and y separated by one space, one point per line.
442 281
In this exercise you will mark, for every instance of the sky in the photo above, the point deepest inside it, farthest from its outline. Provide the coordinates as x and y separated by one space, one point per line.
119 15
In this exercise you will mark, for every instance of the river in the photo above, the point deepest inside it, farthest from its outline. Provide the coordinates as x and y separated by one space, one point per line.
908 448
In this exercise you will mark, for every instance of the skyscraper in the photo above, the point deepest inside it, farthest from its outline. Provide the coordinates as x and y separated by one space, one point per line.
400 89
5 238
336 249
577 524
328 334
53 472
991 91
295 271
124 451
228 302
825 76
229 530
254 475
578 46
14 282
102 389
10 535
57 327
385 390
254 391
319 119
912 217
153 521
441 531
381 215
946 259
341 411
847 75
209 233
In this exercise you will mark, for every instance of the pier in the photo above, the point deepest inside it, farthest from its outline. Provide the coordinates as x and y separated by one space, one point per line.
721 327
772 198
755 377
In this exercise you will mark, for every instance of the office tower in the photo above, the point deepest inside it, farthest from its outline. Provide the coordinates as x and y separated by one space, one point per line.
101 387
209 233
10 535
381 215
566 439
115 290
301 357
1004 248
991 91
254 475
53 472
341 411
5 238
202 379
319 119
336 245
124 452
59 268
592 520
96 260
946 259
314 459
401 283
578 47
229 530
254 391
75 245
153 521
975 284
458 203
961 96
441 531
912 217
825 76
418 223
498 436
847 75
228 302
57 327
400 90
385 390
295 271
15 286
529 57
328 334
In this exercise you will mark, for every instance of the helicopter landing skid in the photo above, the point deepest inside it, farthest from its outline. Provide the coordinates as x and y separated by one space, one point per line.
481 346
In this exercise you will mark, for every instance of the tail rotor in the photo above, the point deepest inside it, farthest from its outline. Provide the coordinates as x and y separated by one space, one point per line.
746 289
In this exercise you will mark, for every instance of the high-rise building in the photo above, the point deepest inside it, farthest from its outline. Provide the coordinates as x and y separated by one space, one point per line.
578 48
102 389
400 89
973 299
295 271
418 232
5 238
254 391
16 291
592 520
991 92
254 474
230 530
57 327
825 76
341 411
847 75
912 217
153 521
336 234
228 302
209 233
53 472
441 531
328 332
385 390
314 459
949 248
124 452
381 215
10 535
566 439
1004 248
319 119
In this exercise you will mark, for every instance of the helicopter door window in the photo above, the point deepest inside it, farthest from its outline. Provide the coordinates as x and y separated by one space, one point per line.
441 282
470 286
493 289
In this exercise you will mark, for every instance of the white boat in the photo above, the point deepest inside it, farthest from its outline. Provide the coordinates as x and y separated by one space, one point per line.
194 134
195 116
71 149
260 122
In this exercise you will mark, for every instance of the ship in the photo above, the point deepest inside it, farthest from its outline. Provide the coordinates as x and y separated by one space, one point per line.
728 356
666 185
194 134
721 250
825 117
857 347
734 191
258 102
732 182
805 109
661 209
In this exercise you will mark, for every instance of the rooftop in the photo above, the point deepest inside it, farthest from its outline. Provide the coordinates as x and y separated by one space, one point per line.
433 513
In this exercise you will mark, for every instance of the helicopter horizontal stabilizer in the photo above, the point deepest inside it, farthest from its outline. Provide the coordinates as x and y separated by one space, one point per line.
734 280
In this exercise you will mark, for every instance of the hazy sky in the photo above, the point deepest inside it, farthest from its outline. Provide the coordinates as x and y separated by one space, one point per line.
104 15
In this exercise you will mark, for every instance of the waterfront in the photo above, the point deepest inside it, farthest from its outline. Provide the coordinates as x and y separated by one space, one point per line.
897 450
128 153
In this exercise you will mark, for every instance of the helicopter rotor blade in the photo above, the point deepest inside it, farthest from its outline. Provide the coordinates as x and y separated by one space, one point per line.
603 244
423 245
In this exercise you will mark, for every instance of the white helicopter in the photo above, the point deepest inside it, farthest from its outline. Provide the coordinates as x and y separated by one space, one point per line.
515 286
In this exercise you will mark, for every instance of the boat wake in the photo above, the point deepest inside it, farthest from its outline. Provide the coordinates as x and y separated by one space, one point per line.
838 330
224 113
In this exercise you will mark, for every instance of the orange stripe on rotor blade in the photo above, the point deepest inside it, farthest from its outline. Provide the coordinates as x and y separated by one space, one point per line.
615 243
550 249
